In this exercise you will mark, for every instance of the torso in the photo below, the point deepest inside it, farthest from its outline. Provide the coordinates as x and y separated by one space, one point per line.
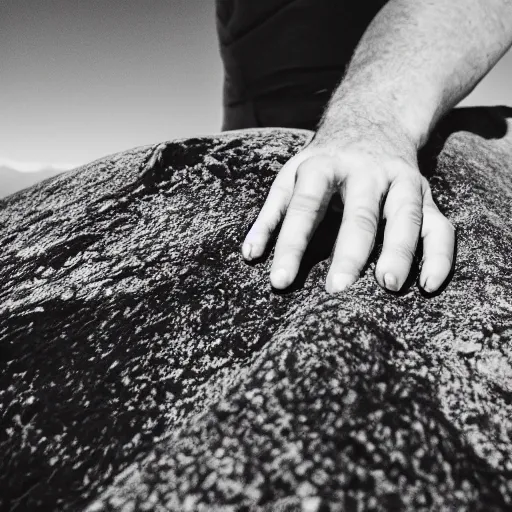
283 58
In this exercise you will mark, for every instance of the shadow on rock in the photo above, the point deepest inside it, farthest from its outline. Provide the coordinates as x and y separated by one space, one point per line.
486 122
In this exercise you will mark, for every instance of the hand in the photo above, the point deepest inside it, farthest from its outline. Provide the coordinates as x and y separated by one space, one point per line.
368 168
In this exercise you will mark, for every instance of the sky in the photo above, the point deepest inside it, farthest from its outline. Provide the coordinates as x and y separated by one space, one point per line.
84 79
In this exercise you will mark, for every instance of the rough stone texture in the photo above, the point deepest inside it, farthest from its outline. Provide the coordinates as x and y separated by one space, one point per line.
145 366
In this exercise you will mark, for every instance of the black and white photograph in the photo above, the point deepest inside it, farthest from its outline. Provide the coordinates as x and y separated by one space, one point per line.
255 256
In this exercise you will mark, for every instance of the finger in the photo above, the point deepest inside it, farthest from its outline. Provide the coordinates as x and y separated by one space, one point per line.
403 212
438 236
311 195
357 232
273 209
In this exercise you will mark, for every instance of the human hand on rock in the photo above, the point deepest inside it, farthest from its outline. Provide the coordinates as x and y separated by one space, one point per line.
369 167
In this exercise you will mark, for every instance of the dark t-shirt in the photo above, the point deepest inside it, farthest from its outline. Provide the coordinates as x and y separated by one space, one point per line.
283 58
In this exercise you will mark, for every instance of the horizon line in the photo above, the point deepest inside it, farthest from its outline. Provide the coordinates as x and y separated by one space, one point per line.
33 167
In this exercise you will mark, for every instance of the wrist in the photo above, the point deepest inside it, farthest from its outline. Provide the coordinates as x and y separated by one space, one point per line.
385 109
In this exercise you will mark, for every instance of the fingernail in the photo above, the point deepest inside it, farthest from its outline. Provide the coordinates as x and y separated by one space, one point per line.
256 251
390 282
426 286
279 278
341 281
246 251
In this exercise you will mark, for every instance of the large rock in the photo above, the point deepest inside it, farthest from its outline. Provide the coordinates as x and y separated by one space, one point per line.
145 366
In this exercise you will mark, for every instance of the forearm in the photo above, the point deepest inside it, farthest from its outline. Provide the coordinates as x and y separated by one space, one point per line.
418 59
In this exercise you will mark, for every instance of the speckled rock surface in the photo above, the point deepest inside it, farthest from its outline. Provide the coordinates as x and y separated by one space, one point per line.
145 366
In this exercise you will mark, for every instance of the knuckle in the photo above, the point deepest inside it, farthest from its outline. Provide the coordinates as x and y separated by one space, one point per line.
366 219
413 211
405 170
307 167
302 202
410 182
303 169
416 217
320 165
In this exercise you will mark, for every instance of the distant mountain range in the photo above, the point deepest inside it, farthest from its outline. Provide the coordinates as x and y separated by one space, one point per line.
12 180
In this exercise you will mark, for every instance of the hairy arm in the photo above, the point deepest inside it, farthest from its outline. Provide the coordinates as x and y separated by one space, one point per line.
416 60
